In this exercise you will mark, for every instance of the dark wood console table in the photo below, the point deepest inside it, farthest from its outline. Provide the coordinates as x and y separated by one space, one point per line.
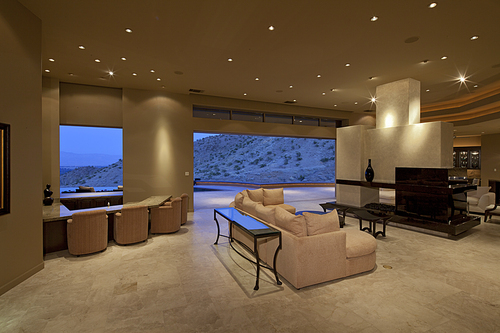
253 228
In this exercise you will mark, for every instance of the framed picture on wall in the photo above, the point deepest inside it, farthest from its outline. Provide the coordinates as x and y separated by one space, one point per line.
4 169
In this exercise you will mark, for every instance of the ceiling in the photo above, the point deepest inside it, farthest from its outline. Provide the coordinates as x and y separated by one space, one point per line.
188 44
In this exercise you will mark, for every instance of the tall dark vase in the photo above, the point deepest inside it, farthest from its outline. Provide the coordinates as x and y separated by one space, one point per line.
369 173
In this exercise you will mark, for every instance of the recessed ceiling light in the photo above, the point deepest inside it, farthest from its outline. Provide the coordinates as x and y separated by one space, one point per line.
71 74
97 60
123 58
324 93
462 79
475 86
111 73
444 57
158 79
474 37
425 61
134 74
152 71
271 28
230 59
347 65
333 89
374 18
244 94
47 70
81 47
427 90
356 103
371 77
373 99
432 5
334 104
129 30
295 100
52 60
319 75
256 79
290 87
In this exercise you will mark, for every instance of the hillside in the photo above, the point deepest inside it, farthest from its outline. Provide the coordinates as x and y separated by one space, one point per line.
111 175
257 159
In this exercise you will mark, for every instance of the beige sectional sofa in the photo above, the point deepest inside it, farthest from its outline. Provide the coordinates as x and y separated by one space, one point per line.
314 248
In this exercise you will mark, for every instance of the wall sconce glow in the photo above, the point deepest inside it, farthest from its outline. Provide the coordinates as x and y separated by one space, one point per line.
389 121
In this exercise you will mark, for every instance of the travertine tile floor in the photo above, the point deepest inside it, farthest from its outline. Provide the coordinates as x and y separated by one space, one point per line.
183 283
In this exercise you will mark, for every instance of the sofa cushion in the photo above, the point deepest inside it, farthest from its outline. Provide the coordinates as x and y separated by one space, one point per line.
249 206
286 207
265 213
359 243
256 195
238 200
273 197
320 224
295 224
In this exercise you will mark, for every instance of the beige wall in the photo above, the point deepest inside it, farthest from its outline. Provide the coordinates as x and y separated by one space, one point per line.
50 134
20 106
470 141
90 105
490 158
157 144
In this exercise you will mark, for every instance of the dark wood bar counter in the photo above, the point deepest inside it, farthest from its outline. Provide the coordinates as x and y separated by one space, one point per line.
55 220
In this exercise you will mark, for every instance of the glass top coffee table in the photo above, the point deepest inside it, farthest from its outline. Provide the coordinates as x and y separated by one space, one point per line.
253 228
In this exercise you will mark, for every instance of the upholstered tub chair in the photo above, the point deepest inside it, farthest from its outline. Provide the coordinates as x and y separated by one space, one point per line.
184 207
131 225
166 218
87 232
481 200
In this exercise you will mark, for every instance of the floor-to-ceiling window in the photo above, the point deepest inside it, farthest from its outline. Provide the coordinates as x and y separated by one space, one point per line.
90 157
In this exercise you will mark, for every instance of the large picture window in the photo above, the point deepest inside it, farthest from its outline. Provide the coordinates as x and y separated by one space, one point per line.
90 159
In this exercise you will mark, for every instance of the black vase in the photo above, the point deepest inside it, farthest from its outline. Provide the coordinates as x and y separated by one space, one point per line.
369 174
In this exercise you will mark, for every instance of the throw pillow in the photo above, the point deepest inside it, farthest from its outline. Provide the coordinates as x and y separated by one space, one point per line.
265 213
320 224
249 206
273 197
256 195
238 200
295 224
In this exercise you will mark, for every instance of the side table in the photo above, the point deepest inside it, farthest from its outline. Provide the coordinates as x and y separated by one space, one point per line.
372 219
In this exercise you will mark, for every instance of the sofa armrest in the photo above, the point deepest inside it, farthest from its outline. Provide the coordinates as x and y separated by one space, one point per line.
304 261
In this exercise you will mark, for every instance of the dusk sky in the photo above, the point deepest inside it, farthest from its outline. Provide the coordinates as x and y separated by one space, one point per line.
91 140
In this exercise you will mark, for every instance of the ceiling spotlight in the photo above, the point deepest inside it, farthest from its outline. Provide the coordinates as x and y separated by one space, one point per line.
319 75
71 74
128 30
462 79
244 94
432 5
134 74
334 104
52 60
97 60
425 61
333 89
295 100
324 93
474 37
81 47
371 77
373 99
152 71
47 71
290 87
356 103
271 28
374 18
230 59
475 86
163 86
427 90
111 73
444 57
158 79
123 58
347 65
256 79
